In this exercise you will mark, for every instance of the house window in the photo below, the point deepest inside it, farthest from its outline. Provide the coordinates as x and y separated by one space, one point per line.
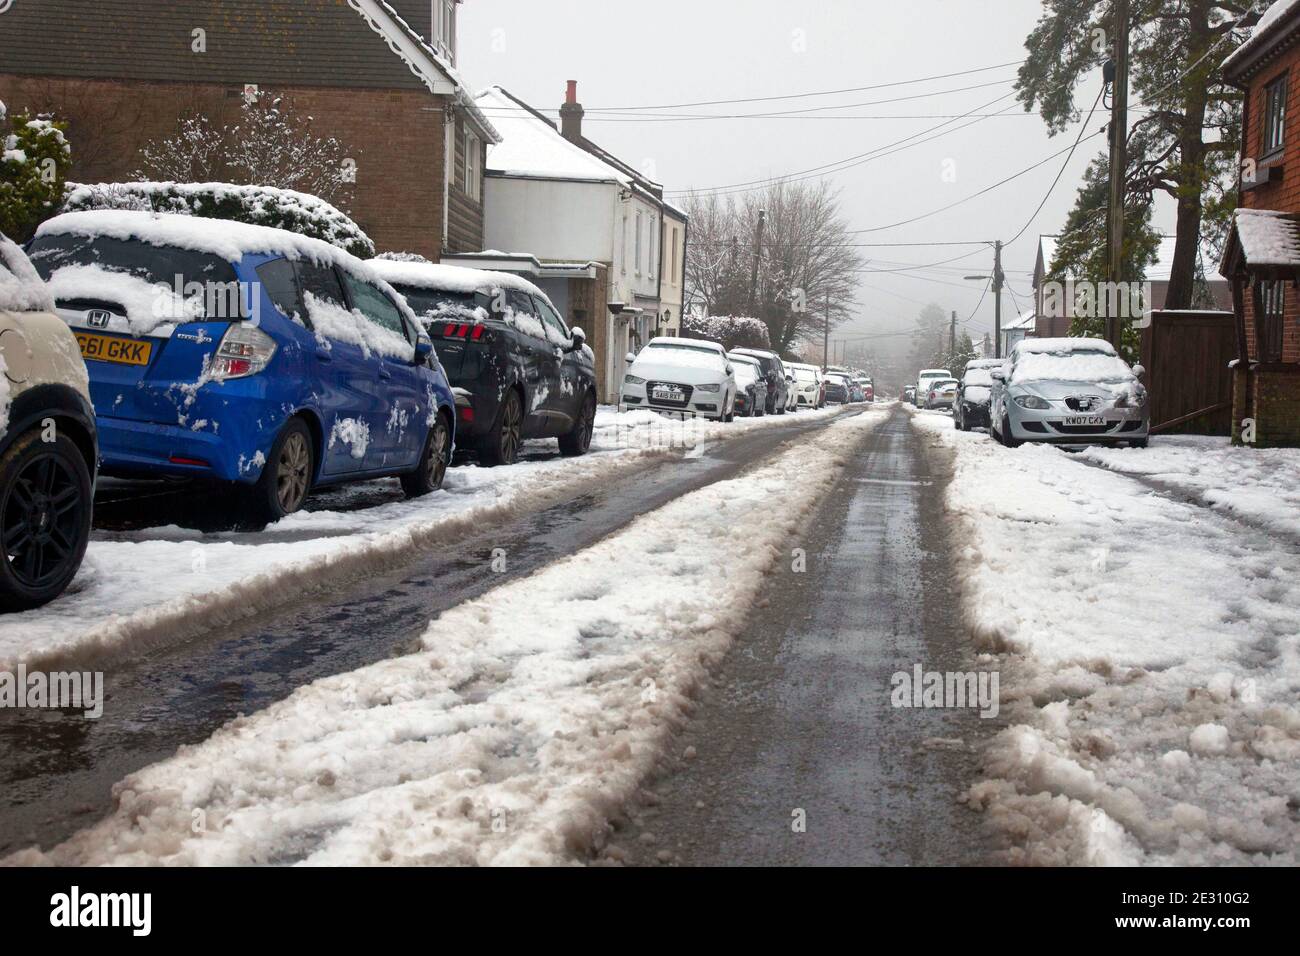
444 28
653 243
473 150
1272 300
638 243
1274 115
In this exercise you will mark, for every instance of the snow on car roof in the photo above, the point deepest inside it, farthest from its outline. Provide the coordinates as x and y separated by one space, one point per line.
1062 345
220 237
440 278
677 340
21 289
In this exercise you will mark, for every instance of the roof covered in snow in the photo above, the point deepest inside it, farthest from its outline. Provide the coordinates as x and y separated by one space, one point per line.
441 278
1275 24
1262 238
531 146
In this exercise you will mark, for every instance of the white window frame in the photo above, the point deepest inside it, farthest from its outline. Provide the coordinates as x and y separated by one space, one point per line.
639 218
473 151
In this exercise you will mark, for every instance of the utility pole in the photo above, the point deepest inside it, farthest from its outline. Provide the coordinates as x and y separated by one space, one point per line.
998 277
952 335
1118 158
758 254
826 335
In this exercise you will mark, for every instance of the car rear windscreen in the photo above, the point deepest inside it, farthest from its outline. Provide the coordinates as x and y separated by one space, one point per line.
167 265
439 303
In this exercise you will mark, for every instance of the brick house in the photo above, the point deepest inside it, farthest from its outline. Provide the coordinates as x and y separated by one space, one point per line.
1262 255
378 76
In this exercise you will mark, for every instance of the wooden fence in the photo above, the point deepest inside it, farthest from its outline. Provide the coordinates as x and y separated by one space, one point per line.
1186 355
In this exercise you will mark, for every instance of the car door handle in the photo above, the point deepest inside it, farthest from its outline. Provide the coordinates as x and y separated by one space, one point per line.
324 355
385 374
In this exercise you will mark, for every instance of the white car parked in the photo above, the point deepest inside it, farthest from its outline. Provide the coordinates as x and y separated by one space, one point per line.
686 377
48 449
807 384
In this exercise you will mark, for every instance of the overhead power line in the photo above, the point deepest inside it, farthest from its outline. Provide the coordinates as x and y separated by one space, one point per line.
799 96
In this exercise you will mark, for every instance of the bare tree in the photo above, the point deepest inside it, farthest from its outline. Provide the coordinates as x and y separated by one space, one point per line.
270 145
806 259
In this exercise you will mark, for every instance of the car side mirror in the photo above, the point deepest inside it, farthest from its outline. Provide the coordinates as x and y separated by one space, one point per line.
1138 371
423 349
577 339
731 370
629 358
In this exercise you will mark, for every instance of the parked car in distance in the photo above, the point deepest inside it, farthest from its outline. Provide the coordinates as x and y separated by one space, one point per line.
942 394
778 389
837 388
516 367
48 446
924 380
868 389
751 385
245 354
807 385
971 410
686 377
1069 391
909 394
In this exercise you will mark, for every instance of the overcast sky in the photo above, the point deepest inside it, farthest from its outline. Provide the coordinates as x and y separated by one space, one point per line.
627 54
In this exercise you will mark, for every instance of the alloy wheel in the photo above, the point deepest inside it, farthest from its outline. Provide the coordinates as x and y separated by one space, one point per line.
437 463
510 429
42 515
292 473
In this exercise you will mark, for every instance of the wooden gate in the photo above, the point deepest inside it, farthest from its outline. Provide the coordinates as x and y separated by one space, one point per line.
1186 355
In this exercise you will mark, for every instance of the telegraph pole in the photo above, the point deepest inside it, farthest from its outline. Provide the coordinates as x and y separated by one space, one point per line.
998 276
952 336
1118 159
758 254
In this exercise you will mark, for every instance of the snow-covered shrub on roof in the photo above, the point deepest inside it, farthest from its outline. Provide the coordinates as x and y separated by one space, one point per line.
34 159
733 331
255 205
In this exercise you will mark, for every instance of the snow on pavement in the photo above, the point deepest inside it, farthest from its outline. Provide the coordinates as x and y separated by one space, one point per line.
1150 651
1259 485
143 588
529 717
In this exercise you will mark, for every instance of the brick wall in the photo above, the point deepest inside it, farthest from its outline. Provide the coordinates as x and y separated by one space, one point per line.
396 137
1281 192
589 308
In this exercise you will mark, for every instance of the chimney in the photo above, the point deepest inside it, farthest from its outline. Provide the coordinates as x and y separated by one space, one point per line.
571 115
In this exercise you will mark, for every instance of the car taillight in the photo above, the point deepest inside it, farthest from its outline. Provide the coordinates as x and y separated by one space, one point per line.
464 330
244 350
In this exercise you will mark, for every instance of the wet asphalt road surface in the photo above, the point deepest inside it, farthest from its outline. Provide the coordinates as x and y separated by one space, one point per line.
799 718
56 770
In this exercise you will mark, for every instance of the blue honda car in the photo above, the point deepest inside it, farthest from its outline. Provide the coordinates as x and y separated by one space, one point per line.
247 355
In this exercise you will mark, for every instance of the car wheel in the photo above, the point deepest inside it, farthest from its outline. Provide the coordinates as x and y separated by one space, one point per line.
1006 433
45 511
500 446
578 441
287 475
427 478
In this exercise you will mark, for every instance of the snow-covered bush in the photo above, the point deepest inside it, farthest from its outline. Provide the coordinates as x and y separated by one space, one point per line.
34 159
256 205
733 331
402 257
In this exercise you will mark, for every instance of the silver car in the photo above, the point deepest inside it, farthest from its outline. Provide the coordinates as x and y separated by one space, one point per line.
1068 391
942 393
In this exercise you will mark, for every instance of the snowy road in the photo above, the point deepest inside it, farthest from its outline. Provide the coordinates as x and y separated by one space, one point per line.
799 717
57 774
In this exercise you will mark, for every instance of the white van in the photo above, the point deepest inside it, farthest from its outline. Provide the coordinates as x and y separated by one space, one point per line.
925 379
